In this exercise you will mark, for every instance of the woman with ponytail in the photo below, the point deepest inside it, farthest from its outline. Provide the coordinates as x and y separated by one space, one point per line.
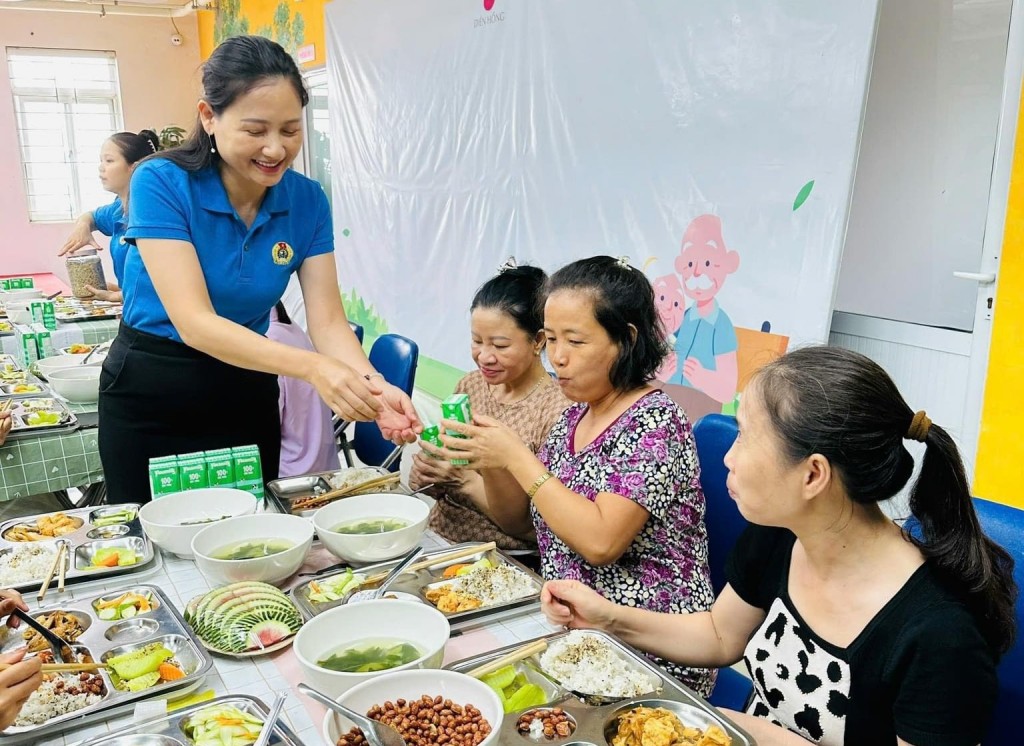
118 158
853 631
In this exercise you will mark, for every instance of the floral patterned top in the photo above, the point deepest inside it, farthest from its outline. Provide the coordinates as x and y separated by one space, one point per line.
647 455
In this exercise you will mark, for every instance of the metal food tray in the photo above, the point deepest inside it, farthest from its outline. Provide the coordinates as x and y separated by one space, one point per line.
283 492
45 392
69 316
419 582
596 724
104 639
68 421
171 726
85 541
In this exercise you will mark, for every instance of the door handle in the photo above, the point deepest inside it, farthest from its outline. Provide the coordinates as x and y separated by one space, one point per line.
982 278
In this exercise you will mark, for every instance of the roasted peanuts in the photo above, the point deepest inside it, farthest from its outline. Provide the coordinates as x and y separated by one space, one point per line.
427 721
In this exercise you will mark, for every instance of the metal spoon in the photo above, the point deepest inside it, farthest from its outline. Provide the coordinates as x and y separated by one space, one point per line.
376 734
390 578
270 723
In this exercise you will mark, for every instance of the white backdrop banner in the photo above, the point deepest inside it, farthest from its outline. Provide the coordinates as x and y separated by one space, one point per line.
713 143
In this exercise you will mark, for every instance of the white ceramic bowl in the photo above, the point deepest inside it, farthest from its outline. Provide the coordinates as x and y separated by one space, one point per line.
57 362
382 619
372 547
18 315
78 384
162 518
411 685
272 569
25 294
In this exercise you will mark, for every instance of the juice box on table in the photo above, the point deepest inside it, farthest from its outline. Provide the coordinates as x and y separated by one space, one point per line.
192 470
43 313
248 470
220 467
163 476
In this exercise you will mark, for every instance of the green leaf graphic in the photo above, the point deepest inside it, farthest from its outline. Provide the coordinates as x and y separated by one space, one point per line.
802 196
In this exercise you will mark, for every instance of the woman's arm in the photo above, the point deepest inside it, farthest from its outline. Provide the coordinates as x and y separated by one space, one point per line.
710 639
81 235
178 279
767 733
506 502
600 531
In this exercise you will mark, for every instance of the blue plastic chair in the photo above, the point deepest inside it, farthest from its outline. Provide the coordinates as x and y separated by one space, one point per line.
714 434
1005 526
396 358
358 331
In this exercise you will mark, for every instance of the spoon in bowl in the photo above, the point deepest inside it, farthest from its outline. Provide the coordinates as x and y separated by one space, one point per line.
390 578
376 734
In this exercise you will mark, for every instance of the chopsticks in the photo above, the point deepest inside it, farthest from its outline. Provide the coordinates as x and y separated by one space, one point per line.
62 566
58 560
437 559
7 404
64 667
533 648
318 501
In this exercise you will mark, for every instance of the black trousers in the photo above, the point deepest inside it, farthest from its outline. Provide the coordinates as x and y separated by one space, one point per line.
159 397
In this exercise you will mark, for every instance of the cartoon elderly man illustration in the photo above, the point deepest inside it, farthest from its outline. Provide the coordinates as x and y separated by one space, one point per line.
671 303
705 345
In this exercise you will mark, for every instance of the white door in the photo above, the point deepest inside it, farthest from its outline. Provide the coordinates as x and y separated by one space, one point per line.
929 202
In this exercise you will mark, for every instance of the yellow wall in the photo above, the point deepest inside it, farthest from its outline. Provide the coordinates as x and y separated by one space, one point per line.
260 14
1000 466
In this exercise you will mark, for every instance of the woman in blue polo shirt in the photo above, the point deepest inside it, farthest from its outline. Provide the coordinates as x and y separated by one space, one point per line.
118 157
220 224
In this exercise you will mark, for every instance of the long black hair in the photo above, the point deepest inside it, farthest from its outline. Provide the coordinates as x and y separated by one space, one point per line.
134 147
238 65
516 291
624 306
844 406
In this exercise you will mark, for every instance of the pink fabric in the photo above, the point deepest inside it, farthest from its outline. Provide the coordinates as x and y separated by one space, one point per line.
307 436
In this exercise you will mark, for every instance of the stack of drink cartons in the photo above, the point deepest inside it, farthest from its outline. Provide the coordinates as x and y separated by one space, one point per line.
239 468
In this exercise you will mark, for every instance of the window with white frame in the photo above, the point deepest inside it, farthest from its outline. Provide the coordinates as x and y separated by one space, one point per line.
66 103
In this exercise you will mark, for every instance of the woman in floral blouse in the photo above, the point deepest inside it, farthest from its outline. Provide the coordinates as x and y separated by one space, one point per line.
614 493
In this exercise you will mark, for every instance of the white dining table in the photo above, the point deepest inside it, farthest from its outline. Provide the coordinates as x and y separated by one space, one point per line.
265 676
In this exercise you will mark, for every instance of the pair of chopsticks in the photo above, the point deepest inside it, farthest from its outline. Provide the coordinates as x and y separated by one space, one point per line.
7 404
64 667
318 501
436 560
59 566
534 648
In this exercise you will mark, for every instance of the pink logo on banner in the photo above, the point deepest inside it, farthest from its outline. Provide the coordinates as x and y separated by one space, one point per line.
488 5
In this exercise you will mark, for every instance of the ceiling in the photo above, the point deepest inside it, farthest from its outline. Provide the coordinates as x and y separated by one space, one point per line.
161 8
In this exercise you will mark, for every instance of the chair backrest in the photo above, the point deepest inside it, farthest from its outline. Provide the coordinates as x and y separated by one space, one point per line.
714 434
396 358
358 331
1005 526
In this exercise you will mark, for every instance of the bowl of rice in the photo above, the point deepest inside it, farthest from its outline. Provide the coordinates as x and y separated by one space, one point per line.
24 564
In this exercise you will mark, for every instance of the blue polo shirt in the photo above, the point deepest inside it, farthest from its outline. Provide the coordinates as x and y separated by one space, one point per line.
246 269
703 337
110 221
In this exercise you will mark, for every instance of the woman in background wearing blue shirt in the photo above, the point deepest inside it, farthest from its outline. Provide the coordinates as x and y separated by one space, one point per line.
118 157
220 224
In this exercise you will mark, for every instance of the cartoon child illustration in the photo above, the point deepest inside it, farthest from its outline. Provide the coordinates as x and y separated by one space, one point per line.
706 342
671 303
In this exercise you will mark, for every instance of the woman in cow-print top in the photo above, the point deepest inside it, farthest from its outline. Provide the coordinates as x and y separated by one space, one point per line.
853 632
616 497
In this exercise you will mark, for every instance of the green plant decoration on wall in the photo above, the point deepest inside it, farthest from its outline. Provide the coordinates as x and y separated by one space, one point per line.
359 313
287 31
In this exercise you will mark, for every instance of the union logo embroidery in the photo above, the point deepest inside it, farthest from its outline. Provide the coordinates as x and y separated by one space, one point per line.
282 253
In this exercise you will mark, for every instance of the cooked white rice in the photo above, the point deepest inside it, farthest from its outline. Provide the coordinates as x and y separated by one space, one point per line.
495 585
23 564
45 703
585 663
351 477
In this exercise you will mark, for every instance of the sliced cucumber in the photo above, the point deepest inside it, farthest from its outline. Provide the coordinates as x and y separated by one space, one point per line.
108 614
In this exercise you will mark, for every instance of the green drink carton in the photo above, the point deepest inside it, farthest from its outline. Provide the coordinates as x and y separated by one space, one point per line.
28 282
248 470
43 313
44 344
5 283
432 434
16 283
192 473
220 468
163 476
28 348
456 407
